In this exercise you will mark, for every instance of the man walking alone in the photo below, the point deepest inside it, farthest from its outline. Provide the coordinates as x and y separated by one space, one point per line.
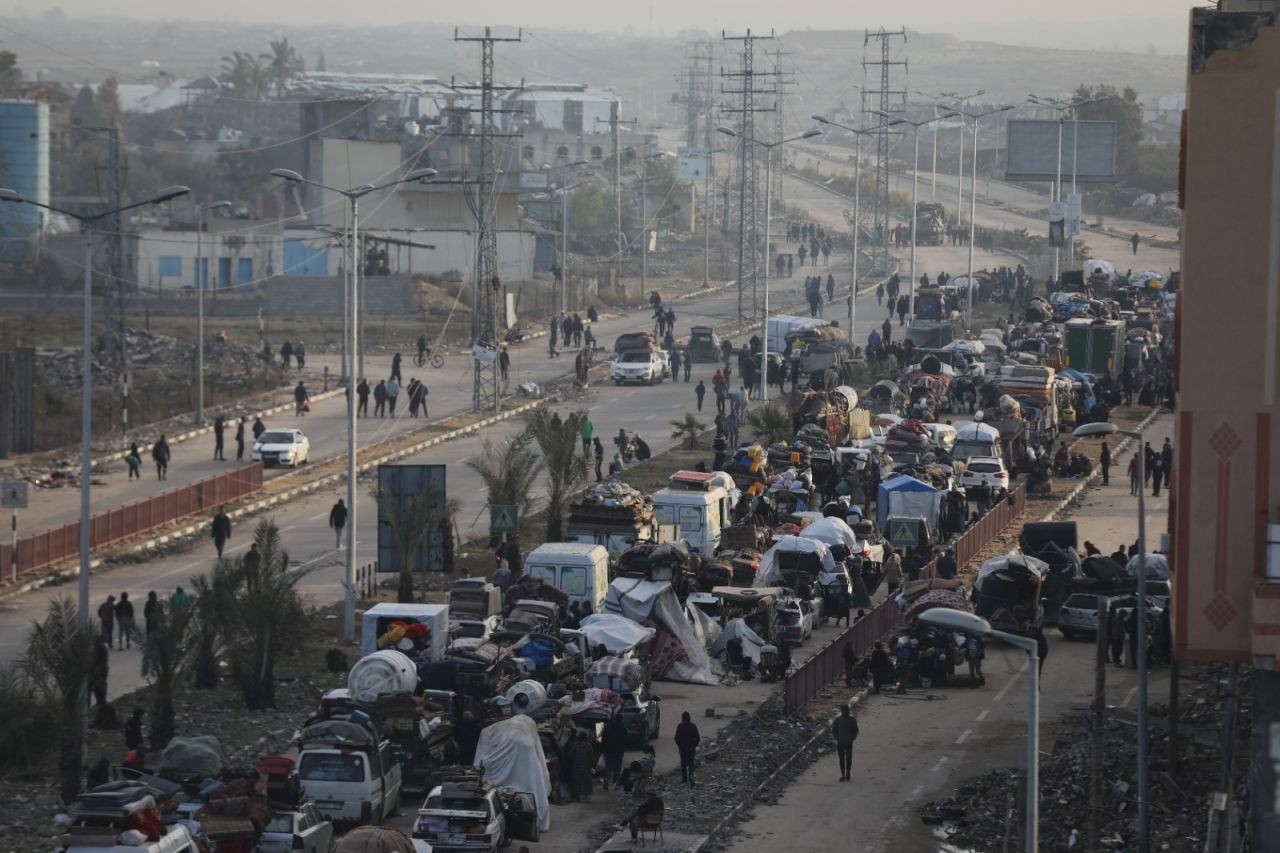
1105 461
221 529
845 731
337 521
687 740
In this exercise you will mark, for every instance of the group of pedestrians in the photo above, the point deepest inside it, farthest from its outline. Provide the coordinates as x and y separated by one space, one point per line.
293 352
117 629
572 330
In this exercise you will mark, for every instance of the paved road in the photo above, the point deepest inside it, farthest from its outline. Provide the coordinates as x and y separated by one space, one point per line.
917 748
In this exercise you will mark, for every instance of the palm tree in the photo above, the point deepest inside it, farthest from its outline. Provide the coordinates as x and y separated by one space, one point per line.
214 606
510 472
282 63
269 619
170 646
410 524
689 431
24 736
567 468
245 74
771 422
58 664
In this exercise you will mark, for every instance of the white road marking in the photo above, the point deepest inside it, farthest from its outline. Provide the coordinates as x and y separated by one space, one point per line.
941 761
1128 697
917 791
1003 690
318 516
983 715
648 417
964 736
676 406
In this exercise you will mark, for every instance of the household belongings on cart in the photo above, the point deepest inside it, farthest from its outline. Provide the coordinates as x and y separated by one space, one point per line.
797 562
124 814
617 674
884 396
1006 592
1055 543
473 599
617 635
756 607
531 588
1157 566
419 630
675 653
906 497
665 561
729 568
510 755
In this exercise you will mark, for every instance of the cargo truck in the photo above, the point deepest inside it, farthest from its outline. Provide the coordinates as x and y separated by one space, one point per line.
1095 346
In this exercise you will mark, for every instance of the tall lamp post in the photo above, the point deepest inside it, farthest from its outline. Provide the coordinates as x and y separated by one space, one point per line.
644 216
768 256
960 100
1095 430
201 278
706 217
968 623
915 185
86 361
564 229
1064 106
353 196
858 133
973 203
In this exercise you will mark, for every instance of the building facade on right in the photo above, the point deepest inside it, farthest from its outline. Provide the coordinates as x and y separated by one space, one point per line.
1226 471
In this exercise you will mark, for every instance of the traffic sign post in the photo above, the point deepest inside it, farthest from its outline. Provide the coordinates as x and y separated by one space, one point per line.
503 518
13 494
905 532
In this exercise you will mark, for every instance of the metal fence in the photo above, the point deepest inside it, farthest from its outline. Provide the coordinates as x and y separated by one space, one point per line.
62 543
814 675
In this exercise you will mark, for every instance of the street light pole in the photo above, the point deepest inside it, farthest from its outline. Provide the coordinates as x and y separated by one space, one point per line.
973 202
915 168
857 194
201 269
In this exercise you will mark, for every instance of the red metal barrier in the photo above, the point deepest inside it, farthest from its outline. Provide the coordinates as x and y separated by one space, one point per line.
61 543
819 671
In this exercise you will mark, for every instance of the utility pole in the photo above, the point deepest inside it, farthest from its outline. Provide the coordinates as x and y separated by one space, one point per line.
114 244
780 83
615 132
884 100
752 85
487 285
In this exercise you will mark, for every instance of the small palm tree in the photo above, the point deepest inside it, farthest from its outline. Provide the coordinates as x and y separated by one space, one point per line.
171 644
214 609
59 663
410 524
689 431
567 468
269 619
510 472
771 422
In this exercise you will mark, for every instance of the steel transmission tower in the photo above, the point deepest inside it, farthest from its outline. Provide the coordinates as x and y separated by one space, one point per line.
486 392
696 94
780 83
877 103
753 86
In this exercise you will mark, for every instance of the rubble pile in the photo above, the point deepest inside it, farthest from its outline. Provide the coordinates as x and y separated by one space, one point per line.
984 809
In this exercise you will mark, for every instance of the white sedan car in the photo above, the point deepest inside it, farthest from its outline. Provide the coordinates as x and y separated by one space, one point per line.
282 447
985 471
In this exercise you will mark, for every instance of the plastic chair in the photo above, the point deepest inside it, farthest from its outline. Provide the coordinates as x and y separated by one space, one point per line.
651 823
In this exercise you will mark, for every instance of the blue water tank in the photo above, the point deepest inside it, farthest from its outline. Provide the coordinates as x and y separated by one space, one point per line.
24 167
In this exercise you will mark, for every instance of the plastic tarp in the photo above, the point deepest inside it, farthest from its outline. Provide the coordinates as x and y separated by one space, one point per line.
1106 268
707 629
751 641
832 531
188 757
616 633
1157 567
977 432
1014 565
907 497
965 345
338 732
675 653
510 754
770 572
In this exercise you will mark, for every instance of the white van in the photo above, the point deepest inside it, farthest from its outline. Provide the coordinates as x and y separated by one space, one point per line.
351 786
700 504
580 570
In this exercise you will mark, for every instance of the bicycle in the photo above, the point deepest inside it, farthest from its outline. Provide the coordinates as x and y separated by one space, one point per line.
429 355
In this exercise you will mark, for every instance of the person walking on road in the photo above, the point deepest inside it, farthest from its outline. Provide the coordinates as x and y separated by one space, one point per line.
301 404
101 669
586 430
393 391
1166 461
1157 473
161 454
688 364
134 460
1042 648
700 391
687 740
504 366
221 529
252 562
974 651
240 440
362 398
598 449
1104 460
124 620
845 731
1134 240
107 619
300 354
380 398
258 428
675 364
881 667
151 611
395 368
613 743
1134 485
892 571
337 521
582 760
286 354
219 427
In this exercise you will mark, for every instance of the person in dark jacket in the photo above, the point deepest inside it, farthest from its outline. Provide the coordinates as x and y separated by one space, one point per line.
221 529
338 521
582 761
1104 461
850 661
219 427
300 398
395 368
613 743
161 454
380 398
107 618
151 611
881 667
133 738
240 440
687 740
124 620
845 731
258 428
362 398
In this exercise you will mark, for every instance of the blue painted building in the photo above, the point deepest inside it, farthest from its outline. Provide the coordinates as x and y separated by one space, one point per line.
24 167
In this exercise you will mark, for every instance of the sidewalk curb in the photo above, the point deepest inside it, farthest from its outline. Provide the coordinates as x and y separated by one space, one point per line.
1084 484
285 496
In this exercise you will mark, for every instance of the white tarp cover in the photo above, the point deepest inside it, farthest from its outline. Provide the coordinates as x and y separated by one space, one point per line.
512 757
1157 567
677 655
1014 563
616 633
966 346
769 574
706 629
977 432
832 531
1094 265
751 641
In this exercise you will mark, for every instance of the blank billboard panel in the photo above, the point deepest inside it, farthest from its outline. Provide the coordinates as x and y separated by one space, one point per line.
1033 150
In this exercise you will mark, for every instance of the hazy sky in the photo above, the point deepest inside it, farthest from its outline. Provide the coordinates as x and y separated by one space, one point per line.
1035 22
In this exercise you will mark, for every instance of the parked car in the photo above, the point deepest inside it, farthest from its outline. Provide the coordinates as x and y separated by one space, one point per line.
1078 616
985 471
643 366
641 713
475 820
797 618
303 828
282 447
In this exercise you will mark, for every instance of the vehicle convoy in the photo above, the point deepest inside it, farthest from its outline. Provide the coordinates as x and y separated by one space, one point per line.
611 514
637 358
700 504
281 447
931 225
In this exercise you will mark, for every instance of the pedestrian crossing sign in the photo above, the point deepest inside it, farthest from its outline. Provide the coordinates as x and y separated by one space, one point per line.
502 519
904 532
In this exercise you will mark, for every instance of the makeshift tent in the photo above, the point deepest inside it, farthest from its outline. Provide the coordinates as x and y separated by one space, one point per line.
510 755
1157 567
907 497
832 531
675 652
751 641
616 633
796 553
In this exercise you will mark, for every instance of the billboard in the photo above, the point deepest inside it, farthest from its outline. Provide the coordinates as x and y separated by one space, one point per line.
691 165
1033 150
406 483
